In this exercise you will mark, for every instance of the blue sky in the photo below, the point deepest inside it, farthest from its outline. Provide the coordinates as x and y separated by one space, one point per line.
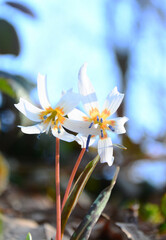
68 33
59 42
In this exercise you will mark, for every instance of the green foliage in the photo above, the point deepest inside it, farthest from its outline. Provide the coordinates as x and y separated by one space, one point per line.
151 212
6 88
155 214
162 228
28 237
14 86
19 80
86 226
163 205
9 43
77 190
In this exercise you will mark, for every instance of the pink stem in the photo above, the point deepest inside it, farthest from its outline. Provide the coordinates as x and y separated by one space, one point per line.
72 177
58 196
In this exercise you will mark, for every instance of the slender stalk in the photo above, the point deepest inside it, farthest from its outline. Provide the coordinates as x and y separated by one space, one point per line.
72 176
58 197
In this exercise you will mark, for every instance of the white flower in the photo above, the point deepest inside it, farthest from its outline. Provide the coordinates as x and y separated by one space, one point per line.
48 117
97 123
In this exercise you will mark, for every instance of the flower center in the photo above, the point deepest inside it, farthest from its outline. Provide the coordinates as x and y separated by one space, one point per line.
53 117
99 120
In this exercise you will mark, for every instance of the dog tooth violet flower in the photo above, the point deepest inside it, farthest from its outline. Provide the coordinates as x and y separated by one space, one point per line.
48 118
97 123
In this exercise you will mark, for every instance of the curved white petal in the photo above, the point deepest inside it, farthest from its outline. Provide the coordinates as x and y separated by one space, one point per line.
82 140
35 129
63 135
76 114
81 127
87 91
42 91
68 101
119 124
29 110
105 150
113 101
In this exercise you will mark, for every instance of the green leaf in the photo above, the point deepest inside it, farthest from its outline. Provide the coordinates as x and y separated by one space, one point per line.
9 43
84 229
151 212
77 190
162 228
163 205
28 237
18 79
6 88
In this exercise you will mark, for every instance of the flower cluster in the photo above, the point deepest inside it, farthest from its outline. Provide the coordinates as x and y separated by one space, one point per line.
94 124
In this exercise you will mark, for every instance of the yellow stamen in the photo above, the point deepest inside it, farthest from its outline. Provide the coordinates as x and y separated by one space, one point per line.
55 116
105 113
100 119
94 112
85 118
111 122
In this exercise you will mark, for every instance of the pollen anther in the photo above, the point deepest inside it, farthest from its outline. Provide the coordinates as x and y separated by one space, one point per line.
102 135
91 124
87 142
59 131
111 128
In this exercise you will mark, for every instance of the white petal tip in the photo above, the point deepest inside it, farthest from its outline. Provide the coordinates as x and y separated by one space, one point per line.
126 119
83 69
85 64
115 91
110 162
41 76
16 104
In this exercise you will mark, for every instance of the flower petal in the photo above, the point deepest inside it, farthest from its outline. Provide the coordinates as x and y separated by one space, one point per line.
42 91
35 129
76 114
63 135
105 150
113 101
81 127
87 91
29 110
68 101
82 140
119 124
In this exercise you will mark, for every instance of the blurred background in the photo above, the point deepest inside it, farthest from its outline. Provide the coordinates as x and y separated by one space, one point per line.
124 44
